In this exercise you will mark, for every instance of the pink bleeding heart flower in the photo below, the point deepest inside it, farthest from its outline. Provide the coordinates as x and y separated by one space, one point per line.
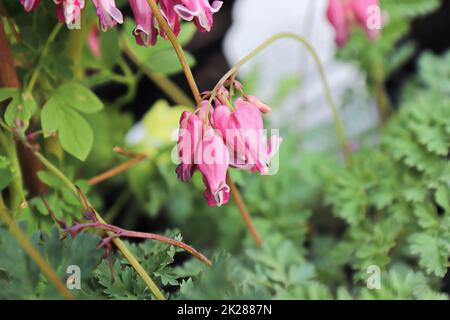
30 5
343 13
242 131
107 13
69 11
172 18
201 11
361 11
338 15
189 136
214 166
94 41
145 31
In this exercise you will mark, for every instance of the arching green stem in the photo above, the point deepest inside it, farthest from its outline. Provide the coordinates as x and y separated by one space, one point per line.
333 108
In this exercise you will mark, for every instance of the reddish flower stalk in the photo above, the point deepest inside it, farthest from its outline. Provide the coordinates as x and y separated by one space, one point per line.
118 232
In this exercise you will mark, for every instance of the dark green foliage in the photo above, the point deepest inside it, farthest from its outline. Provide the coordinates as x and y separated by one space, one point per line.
20 278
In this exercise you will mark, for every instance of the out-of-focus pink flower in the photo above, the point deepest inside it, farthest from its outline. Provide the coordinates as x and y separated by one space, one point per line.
107 13
189 136
172 18
214 166
145 32
361 12
343 13
94 41
30 5
201 11
337 14
69 11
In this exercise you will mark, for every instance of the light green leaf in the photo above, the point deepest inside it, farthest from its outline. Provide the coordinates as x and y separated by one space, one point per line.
78 97
75 134
433 252
13 94
60 115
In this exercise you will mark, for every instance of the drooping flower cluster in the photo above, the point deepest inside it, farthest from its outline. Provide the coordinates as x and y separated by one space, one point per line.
147 29
342 14
220 135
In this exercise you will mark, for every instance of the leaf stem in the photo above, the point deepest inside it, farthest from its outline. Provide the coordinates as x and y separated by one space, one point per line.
77 39
120 232
34 254
384 105
333 108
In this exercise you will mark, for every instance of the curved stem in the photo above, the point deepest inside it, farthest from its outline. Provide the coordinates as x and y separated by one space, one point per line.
119 243
333 108
384 106
77 38
120 232
178 49
34 254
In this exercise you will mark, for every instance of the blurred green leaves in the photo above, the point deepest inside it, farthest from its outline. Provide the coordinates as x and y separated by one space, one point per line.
5 173
20 278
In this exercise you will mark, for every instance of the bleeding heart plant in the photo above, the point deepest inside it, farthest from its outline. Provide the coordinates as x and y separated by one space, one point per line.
147 28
